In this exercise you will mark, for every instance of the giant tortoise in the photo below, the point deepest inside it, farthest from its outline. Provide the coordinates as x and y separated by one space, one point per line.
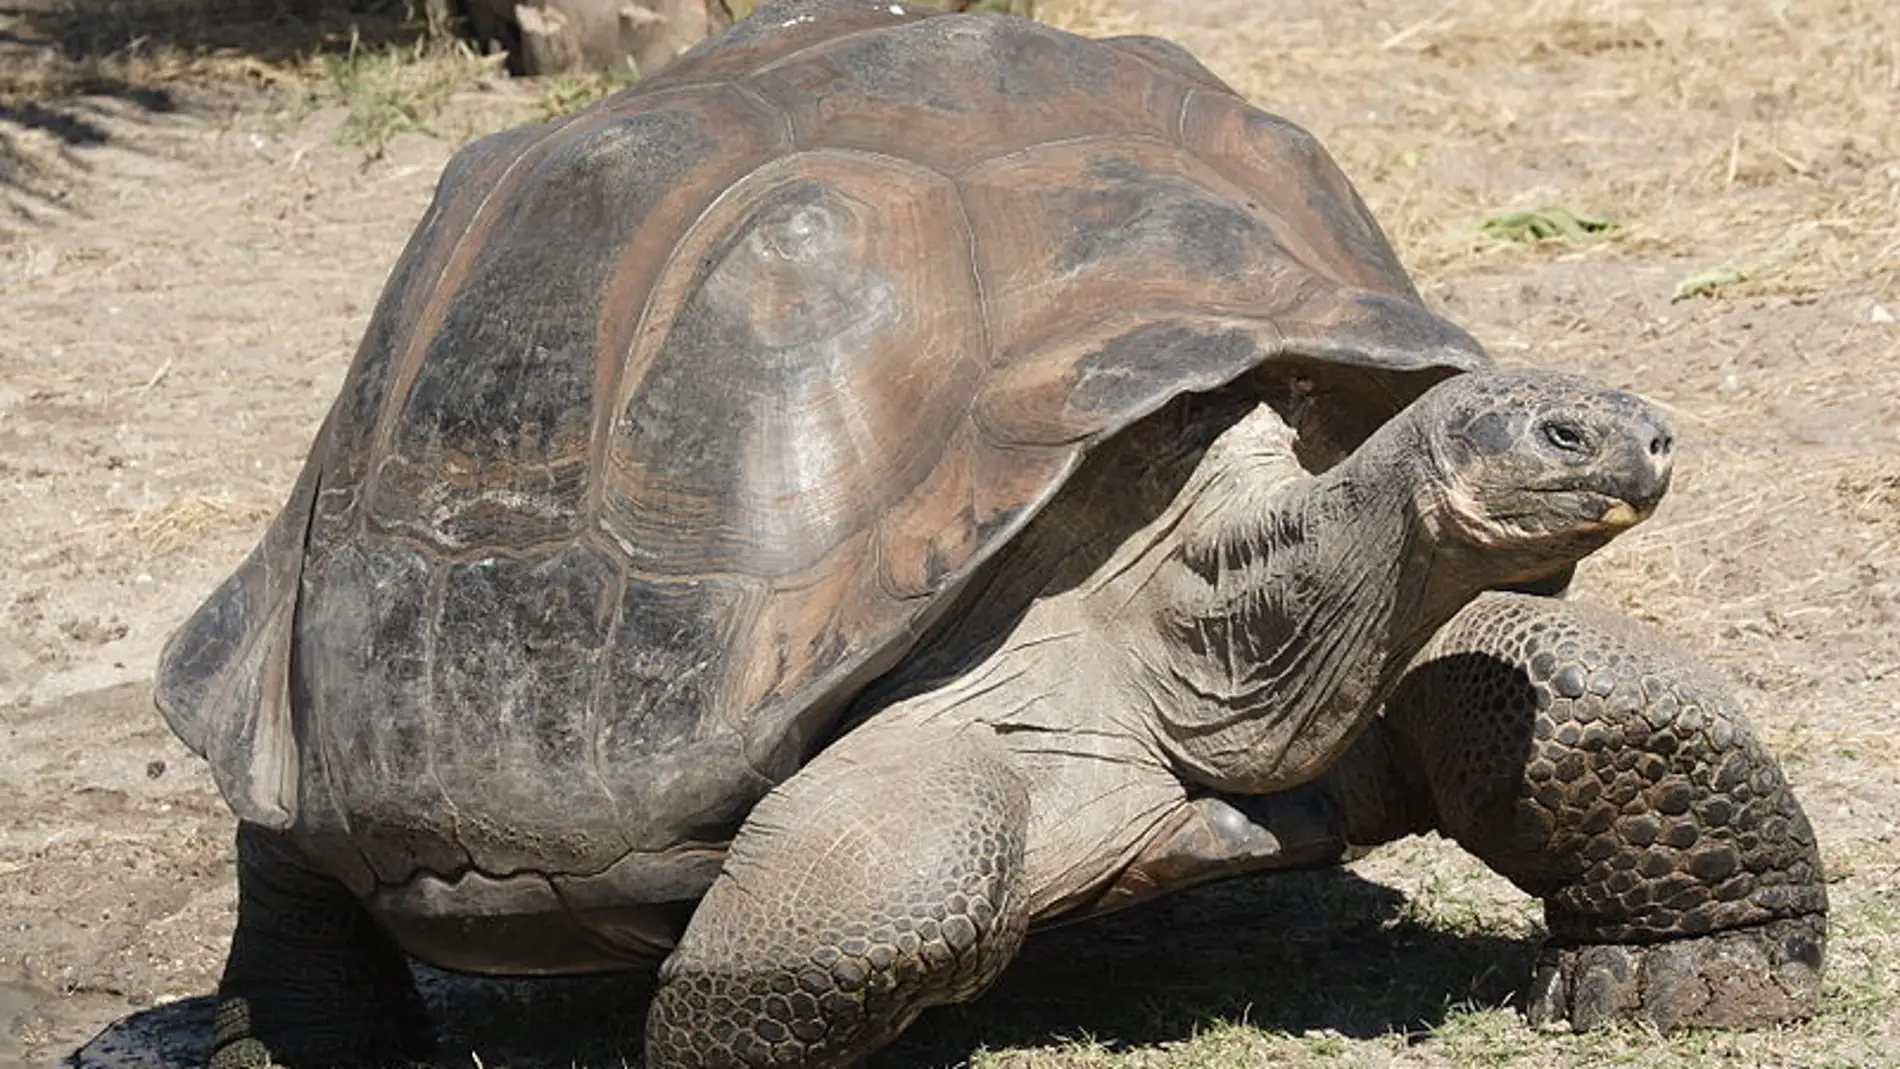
894 480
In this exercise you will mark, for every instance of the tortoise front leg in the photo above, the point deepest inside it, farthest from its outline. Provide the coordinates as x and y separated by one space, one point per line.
1580 756
885 877
311 981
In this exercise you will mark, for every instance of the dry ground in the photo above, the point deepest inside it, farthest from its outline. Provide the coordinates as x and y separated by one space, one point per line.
190 242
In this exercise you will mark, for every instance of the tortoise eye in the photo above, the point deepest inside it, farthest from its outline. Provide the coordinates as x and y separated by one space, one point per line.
1565 436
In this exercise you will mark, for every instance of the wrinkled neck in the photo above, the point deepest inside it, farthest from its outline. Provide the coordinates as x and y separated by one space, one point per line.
1286 620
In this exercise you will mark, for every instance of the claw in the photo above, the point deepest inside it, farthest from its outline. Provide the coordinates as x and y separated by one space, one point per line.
1740 978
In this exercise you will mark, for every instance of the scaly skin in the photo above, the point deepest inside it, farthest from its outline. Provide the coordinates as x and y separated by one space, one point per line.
1597 767
886 877
1594 766
311 980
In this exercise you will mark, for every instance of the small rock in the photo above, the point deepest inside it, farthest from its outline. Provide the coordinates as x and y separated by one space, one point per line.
1879 313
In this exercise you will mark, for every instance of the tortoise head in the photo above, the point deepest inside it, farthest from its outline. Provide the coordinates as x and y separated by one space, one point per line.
1541 466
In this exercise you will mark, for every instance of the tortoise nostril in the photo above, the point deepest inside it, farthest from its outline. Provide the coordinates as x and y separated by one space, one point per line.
1660 445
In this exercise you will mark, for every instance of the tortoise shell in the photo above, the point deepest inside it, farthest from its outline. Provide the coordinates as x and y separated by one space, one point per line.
680 419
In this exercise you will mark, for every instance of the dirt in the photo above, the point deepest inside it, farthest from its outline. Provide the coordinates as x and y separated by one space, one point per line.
185 270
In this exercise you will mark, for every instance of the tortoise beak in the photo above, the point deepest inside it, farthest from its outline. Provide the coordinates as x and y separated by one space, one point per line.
1640 476
1621 514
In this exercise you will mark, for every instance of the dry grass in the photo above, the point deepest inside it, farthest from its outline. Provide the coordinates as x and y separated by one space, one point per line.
183 525
52 50
563 94
1761 136
138 67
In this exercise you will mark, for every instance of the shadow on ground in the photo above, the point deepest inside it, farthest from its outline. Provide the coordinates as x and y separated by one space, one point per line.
1297 952
87 37
75 74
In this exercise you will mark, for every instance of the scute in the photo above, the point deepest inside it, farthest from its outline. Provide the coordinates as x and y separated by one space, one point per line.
1299 191
837 340
781 35
680 421
223 678
676 771
518 649
362 681
491 443
459 730
953 93
1170 57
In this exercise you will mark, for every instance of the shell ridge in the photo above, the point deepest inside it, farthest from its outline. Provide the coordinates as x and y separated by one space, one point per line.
1177 124
787 126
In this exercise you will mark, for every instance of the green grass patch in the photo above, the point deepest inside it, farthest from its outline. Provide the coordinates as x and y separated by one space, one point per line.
398 88
1548 224
1708 283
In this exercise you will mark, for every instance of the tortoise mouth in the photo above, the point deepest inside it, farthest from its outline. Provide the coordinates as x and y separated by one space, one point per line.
1564 513
1596 509
1614 513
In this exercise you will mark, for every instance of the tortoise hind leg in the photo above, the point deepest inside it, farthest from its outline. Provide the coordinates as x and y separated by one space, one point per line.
311 981
1582 758
884 877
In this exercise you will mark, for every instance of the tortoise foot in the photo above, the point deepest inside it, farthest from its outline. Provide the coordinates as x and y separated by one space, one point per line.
839 916
1739 978
312 982
372 1044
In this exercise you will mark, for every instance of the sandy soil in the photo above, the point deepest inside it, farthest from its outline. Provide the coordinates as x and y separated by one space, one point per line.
184 273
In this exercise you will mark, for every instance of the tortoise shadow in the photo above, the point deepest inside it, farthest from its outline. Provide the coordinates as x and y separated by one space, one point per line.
1291 952
1298 951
